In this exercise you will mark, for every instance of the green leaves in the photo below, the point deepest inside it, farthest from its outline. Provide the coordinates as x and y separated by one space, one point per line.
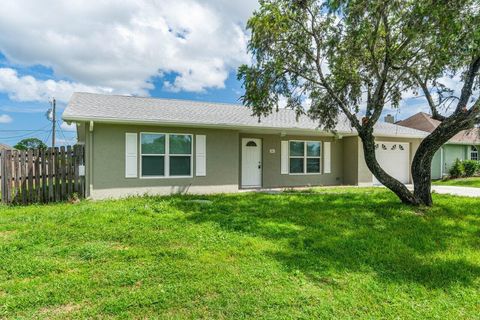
345 55
30 143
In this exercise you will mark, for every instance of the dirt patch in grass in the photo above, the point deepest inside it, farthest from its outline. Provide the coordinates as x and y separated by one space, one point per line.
61 310
7 234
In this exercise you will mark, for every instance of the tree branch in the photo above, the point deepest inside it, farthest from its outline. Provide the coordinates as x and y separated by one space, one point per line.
468 84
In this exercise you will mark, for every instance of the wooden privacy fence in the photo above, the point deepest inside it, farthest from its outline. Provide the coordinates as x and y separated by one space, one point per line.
42 175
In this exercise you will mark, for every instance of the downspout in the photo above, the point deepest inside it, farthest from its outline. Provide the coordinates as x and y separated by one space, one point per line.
90 159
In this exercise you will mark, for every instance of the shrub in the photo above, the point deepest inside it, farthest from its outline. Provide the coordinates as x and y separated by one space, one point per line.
457 170
471 167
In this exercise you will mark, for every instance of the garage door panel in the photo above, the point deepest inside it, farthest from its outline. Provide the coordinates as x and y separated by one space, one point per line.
394 158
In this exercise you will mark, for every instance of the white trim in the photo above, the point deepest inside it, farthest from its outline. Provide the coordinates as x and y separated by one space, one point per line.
291 130
131 158
167 157
472 151
305 157
259 143
327 157
200 155
284 160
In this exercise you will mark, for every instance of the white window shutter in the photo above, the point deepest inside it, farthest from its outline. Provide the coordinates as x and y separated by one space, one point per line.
327 157
131 154
284 157
201 156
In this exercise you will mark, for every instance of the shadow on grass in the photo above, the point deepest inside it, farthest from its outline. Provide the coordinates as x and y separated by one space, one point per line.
369 231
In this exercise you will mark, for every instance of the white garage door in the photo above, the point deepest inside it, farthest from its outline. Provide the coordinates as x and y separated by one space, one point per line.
394 158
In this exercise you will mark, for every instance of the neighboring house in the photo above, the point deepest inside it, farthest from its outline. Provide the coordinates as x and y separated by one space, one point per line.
464 146
5 147
144 145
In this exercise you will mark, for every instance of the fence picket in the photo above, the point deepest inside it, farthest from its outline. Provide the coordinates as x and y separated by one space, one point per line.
30 175
16 175
23 171
2 173
43 168
41 175
8 173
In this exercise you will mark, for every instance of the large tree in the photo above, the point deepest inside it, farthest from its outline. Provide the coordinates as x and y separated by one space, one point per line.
30 143
358 56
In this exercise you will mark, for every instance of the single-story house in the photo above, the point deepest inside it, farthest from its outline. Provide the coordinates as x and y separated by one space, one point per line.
463 146
5 147
159 146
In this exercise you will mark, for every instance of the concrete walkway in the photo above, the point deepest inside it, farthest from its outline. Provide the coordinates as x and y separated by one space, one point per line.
457 191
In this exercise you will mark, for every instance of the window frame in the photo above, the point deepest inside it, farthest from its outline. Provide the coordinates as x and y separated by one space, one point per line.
472 151
305 158
167 156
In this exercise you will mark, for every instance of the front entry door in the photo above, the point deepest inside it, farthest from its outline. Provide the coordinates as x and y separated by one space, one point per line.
251 163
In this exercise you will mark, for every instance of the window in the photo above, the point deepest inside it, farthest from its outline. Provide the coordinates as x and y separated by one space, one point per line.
304 157
474 153
166 155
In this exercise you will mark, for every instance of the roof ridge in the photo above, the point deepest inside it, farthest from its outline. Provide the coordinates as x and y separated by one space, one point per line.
159 98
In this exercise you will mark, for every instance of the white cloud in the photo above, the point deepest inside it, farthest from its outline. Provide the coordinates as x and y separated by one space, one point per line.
27 88
5 118
124 45
68 127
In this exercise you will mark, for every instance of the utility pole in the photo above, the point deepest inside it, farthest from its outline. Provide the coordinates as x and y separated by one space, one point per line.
53 121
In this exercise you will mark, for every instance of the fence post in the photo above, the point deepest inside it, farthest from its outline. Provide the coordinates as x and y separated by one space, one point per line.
8 175
2 175
51 190
57 174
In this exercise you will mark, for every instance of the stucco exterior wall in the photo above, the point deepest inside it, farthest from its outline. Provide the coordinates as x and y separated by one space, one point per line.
107 167
453 152
437 165
350 160
271 174
105 162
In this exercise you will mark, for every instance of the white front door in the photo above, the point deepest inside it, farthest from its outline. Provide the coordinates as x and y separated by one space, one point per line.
251 163
394 158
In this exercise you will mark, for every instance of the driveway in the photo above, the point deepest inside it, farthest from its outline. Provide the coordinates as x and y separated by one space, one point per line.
457 191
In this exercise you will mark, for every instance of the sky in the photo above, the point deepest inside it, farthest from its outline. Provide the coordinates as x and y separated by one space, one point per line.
184 49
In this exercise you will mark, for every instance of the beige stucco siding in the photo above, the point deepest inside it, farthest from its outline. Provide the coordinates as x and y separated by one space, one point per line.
108 163
271 173
105 162
350 160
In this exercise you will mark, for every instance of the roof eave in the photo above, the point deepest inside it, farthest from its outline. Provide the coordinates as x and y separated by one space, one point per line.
296 130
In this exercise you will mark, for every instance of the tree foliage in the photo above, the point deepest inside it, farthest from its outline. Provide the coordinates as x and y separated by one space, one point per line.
354 57
30 143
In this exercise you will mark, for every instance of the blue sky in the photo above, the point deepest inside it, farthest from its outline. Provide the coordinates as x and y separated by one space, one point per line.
137 47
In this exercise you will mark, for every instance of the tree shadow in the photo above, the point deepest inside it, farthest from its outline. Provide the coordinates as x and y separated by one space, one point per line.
357 232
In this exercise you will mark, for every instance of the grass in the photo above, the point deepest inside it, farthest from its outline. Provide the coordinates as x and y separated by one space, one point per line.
462 182
336 253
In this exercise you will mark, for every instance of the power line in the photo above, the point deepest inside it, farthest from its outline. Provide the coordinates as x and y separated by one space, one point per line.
63 134
25 134
48 136
2 130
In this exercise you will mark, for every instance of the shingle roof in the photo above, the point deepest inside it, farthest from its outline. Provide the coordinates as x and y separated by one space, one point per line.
115 108
5 147
424 121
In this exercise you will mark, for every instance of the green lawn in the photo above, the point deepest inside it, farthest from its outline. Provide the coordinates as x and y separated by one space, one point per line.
463 182
340 253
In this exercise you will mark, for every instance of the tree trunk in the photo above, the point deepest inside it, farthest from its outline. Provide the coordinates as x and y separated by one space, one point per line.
422 162
388 181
